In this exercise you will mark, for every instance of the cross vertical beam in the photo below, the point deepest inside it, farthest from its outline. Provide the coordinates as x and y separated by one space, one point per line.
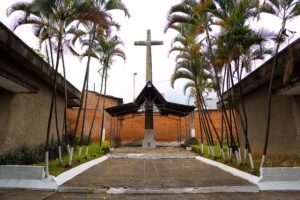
149 137
148 43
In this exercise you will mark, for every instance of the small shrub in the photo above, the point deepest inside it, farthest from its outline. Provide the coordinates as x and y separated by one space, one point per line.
194 141
117 141
30 154
85 139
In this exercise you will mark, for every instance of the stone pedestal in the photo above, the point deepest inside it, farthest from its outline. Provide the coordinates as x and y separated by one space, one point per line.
148 141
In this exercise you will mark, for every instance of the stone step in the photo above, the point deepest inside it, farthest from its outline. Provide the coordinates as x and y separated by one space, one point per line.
187 190
151 156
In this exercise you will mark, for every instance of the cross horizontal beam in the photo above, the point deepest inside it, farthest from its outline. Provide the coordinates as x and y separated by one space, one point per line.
146 43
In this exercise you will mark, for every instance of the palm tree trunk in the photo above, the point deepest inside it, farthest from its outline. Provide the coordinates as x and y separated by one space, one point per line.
91 41
52 99
274 66
94 116
201 129
103 105
269 105
218 89
83 117
57 131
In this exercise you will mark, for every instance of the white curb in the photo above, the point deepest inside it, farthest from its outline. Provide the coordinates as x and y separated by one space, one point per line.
280 185
196 190
251 178
68 175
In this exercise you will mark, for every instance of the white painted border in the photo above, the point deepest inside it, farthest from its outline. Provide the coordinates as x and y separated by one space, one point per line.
68 175
188 190
251 178
263 186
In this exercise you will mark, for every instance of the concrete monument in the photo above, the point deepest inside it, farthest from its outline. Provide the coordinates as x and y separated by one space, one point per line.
148 141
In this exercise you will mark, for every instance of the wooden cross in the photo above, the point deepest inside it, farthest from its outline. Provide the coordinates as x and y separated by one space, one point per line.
148 43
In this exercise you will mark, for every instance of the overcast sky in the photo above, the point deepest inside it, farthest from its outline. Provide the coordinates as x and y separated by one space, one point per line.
145 14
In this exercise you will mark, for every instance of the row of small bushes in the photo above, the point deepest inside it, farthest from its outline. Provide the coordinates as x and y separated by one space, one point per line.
30 154
190 142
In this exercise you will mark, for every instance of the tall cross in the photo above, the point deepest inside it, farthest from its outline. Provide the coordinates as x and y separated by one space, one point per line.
148 43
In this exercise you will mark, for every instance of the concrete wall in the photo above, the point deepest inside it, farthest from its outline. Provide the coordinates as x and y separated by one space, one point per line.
285 122
24 117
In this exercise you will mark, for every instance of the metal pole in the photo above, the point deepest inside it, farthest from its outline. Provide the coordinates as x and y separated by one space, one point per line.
134 74
110 131
180 129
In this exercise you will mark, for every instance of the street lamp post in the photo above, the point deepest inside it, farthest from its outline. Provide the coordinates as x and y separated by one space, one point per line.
134 74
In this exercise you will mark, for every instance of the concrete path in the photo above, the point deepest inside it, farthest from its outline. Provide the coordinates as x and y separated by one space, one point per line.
152 174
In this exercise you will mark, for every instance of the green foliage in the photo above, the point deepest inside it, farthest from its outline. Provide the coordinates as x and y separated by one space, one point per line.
55 168
85 139
190 142
39 53
105 147
30 154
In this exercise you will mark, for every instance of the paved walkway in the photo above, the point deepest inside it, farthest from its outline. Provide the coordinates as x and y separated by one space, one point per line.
152 174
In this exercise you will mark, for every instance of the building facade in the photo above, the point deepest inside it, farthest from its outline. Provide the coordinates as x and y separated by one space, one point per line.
26 83
284 136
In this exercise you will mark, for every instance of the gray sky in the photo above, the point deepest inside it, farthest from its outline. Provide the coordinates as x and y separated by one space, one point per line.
145 14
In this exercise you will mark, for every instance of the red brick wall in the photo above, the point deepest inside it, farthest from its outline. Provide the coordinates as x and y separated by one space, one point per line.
91 104
165 128
131 127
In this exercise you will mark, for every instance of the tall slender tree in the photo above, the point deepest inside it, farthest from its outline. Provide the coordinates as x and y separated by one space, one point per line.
63 13
285 10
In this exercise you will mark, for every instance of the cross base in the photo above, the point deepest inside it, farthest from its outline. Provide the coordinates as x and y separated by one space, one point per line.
149 141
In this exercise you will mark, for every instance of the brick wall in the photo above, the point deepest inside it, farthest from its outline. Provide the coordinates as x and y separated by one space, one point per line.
91 104
131 127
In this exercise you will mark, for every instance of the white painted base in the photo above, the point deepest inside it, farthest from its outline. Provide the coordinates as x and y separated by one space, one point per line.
188 148
111 149
148 141
193 133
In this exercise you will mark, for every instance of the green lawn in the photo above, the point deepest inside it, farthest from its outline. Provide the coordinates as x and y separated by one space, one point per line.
94 152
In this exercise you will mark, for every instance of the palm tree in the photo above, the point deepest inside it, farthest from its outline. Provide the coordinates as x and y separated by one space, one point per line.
63 13
93 31
235 41
285 10
192 65
107 48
